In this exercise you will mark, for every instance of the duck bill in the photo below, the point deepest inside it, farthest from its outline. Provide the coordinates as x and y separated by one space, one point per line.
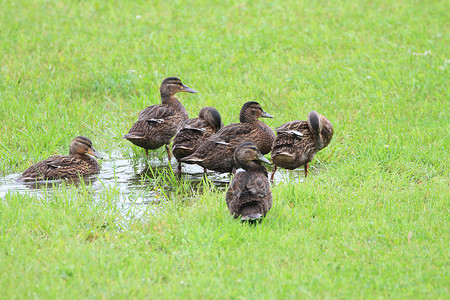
187 89
263 159
94 152
266 115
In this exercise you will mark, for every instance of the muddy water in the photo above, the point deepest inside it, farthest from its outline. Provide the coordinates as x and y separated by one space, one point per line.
136 183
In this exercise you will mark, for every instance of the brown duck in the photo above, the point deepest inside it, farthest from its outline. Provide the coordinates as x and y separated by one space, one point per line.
192 132
249 196
216 153
77 163
157 124
298 141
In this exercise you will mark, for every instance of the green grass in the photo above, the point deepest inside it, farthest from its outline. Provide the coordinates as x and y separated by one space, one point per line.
372 223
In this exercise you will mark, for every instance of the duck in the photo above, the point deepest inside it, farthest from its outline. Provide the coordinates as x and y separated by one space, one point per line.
249 196
77 163
216 152
298 142
157 124
192 132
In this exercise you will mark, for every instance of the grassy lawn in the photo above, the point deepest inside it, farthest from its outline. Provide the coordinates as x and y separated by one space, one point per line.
371 221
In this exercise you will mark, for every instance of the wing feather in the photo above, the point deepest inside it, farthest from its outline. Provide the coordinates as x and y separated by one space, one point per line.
156 112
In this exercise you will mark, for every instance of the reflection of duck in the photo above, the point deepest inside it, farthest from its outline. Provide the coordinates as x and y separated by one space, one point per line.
192 132
216 153
73 181
157 124
298 141
249 196
75 164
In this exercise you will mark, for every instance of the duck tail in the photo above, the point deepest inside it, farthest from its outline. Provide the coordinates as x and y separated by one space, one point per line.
191 159
132 136
252 218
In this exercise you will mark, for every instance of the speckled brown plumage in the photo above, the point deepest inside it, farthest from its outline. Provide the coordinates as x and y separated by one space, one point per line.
77 163
216 153
298 142
157 124
192 132
249 196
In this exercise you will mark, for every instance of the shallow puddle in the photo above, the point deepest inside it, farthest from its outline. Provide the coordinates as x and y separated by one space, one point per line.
135 183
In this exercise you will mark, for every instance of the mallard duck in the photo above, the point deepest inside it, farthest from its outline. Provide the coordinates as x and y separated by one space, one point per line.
298 141
192 132
157 124
77 163
216 153
249 196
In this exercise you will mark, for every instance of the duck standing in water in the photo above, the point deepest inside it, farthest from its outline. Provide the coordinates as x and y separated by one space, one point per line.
249 196
298 142
192 132
217 152
77 163
157 124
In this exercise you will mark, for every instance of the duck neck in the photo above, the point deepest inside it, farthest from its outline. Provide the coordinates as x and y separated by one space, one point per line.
81 156
167 98
244 118
254 166
318 142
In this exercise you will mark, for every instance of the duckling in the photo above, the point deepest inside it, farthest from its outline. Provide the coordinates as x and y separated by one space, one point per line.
298 142
77 163
157 124
192 132
249 196
216 153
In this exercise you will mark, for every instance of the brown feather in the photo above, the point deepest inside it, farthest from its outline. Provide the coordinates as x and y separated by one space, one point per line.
192 132
249 193
157 124
216 152
296 144
78 163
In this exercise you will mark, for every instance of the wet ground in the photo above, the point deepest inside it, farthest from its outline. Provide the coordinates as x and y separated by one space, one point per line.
135 182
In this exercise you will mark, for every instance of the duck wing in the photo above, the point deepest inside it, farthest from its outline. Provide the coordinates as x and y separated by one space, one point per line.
58 162
258 185
56 167
254 183
156 113
196 125
236 132
191 133
288 136
294 145
295 128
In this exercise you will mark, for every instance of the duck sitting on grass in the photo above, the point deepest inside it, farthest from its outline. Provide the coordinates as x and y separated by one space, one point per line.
249 196
77 163
157 124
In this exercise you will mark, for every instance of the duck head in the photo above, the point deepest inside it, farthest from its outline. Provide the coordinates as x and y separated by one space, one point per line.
81 146
247 156
172 85
252 111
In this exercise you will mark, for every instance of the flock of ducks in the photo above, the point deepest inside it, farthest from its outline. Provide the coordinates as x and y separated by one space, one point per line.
238 148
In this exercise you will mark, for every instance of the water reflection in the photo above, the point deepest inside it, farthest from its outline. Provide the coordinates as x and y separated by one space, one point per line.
46 184
140 186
